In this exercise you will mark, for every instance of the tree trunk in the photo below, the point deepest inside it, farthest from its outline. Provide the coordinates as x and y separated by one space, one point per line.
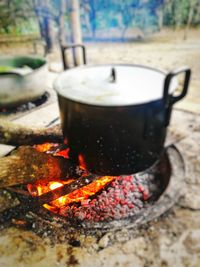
76 30
45 22
189 20
160 15
35 5
63 8
48 26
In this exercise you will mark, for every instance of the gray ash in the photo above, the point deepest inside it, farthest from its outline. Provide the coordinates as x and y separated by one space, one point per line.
26 106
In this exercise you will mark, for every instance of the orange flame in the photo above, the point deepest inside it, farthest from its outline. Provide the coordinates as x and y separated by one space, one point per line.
75 196
78 195
52 146
82 163
44 147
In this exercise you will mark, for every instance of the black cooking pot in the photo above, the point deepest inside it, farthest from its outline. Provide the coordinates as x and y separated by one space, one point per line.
115 117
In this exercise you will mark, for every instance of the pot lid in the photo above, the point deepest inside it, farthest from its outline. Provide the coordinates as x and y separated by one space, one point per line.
112 85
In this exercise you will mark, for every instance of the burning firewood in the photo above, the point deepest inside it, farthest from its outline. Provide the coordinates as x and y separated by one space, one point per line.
27 165
15 134
66 189
33 203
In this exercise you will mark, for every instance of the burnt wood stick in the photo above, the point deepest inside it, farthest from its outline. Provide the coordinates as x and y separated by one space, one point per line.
27 165
32 203
66 189
15 134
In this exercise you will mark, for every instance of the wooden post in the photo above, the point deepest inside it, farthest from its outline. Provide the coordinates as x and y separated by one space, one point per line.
189 19
45 22
62 12
48 25
160 17
76 30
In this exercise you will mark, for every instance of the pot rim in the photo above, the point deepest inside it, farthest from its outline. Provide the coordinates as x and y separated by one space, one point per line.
44 65
56 87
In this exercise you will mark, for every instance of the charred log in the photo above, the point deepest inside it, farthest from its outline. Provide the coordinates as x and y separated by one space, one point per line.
27 165
31 203
16 135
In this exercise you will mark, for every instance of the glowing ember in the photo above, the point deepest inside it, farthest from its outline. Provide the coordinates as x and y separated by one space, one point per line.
75 196
55 185
125 195
45 147
54 148
63 153
81 162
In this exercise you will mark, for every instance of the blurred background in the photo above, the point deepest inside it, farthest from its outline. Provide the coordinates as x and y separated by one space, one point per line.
160 33
105 20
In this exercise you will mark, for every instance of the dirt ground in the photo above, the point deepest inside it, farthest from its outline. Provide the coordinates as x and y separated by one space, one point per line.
173 239
166 50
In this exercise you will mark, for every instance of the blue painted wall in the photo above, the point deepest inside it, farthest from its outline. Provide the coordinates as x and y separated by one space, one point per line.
114 20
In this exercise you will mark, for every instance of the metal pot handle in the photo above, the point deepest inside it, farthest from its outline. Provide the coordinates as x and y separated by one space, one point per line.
73 46
169 100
